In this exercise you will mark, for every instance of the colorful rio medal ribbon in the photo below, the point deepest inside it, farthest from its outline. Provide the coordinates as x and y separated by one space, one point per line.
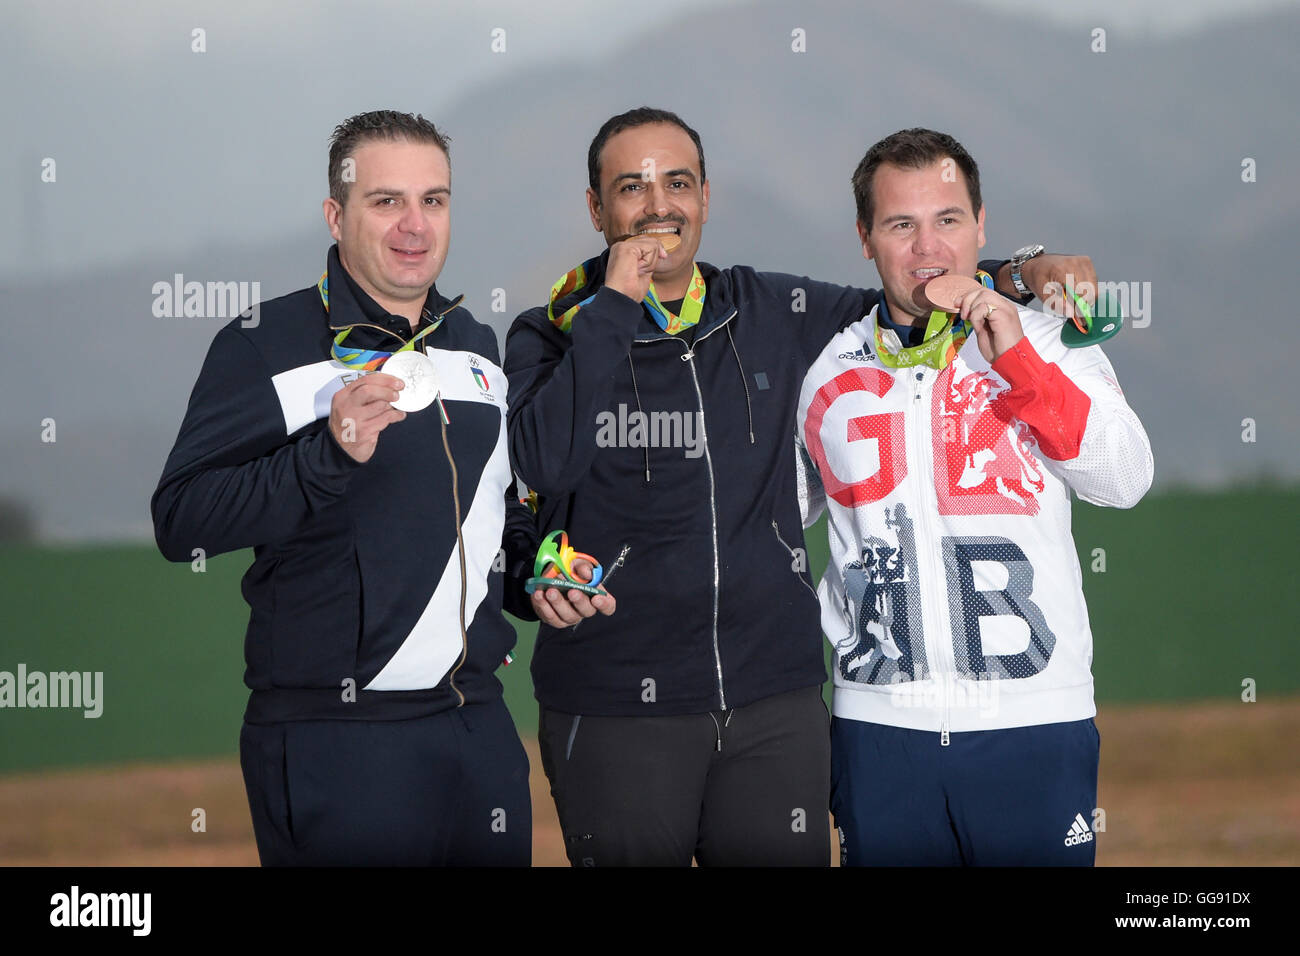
570 282
692 306
554 567
415 369
579 276
943 337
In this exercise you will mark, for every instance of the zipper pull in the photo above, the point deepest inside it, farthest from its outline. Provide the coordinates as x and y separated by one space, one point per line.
688 355
618 563
943 736
604 580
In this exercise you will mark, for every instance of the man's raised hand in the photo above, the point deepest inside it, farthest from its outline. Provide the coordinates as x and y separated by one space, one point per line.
996 322
1052 277
361 409
632 263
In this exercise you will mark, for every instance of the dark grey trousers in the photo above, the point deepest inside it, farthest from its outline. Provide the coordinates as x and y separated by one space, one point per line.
749 786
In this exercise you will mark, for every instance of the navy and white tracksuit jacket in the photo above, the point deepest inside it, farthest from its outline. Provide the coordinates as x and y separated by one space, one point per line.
356 573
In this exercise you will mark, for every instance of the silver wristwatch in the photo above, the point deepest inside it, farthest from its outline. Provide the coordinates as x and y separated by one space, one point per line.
1018 259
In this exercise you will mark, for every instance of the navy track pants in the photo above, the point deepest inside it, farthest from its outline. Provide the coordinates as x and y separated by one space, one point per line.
450 789
1018 797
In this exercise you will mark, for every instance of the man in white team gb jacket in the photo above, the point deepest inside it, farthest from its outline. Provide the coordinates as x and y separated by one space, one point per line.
945 453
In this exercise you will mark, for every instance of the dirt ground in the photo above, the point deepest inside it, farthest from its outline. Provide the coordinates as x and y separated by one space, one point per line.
1212 784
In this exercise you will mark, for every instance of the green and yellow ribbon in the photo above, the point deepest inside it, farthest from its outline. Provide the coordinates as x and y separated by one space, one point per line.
577 278
692 306
365 360
943 339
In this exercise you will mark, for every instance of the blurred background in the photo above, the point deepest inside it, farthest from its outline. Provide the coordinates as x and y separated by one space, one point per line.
190 138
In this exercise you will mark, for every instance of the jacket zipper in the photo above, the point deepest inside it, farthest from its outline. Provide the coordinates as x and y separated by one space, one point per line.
618 563
688 356
925 481
460 548
460 537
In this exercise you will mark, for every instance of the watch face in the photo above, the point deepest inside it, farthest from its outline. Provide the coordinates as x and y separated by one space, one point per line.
1027 252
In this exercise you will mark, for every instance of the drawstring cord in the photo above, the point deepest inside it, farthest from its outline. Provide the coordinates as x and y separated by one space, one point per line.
638 408
743 381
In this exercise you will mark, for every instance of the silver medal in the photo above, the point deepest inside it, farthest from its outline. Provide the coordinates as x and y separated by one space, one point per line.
417 371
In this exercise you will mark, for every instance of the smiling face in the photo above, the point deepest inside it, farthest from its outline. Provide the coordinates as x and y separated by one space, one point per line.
650 183
394 227
922 226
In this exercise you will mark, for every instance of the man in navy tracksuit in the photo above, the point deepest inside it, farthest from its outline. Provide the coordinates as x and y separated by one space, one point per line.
385 541
652 407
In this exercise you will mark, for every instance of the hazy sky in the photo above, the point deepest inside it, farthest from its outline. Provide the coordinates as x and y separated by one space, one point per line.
79 67
1155 17
214 165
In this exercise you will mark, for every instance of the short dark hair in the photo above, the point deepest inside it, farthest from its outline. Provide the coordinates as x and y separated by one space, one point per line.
913 148
386 125
641 116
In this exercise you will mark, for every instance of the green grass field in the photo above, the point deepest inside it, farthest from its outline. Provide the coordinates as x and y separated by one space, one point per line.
1192 601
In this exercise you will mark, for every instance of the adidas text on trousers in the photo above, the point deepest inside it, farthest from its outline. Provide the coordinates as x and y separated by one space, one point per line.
1023 796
